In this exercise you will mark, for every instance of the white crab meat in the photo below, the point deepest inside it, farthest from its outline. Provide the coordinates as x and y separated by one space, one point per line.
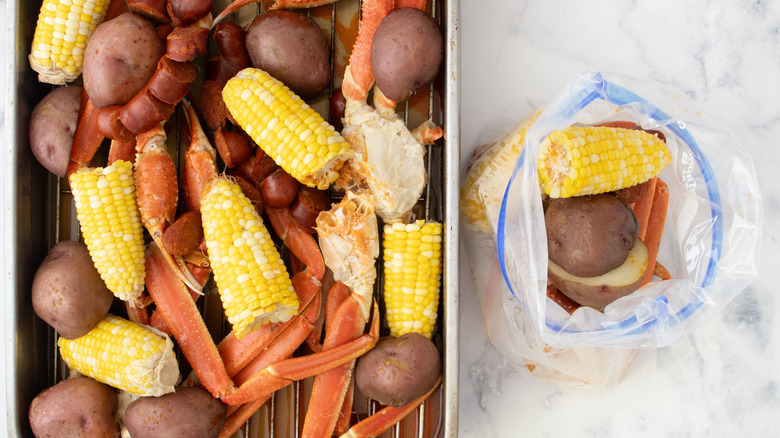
388 159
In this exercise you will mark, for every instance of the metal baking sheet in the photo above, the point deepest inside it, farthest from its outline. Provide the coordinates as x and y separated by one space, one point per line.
39 213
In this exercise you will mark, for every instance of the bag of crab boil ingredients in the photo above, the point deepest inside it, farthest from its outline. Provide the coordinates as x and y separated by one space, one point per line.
618 217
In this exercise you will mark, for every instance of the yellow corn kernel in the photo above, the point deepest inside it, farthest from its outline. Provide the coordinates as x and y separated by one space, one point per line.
252 279
110 223
61 35
483 188
286 128
412 276
125 355
587 160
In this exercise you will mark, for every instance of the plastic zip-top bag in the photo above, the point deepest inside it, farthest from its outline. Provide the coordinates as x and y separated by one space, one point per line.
709 244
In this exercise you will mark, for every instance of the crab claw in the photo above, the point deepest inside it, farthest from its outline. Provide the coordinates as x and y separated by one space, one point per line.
158 195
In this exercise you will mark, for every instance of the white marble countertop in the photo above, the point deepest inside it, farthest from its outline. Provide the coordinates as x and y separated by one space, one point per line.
516 55
723 379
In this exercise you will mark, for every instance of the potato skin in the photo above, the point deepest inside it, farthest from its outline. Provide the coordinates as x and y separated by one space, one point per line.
187 413
597 297
52 125
590 235
399 370
67 291
406 52
120 57
76 407
290 47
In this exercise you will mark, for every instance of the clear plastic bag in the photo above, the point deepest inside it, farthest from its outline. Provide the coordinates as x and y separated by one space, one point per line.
710 243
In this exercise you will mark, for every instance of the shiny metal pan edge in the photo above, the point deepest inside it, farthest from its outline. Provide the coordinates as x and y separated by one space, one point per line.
30 224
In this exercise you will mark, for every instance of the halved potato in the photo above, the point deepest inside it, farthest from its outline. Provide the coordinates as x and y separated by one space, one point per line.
599 291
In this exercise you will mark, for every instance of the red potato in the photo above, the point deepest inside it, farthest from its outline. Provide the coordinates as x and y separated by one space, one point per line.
76 407
406 53
399 370
290 47
188 412
590 235
120 58
67 291
52 126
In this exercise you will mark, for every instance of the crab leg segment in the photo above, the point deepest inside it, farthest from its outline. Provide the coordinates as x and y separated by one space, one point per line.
156 182
279 4
200 160
358 77
293 335
297 240
182 316
87 138
281 374
238 353
378 423
331 387
241 415
158 194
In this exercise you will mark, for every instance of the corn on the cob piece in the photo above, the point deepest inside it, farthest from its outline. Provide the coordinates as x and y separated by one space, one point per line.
250 274
125 355
286 128
61 36
111 225
483 188
412 268
584 160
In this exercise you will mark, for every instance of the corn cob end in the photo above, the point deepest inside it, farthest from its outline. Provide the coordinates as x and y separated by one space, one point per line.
128 356
588 160
60 39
